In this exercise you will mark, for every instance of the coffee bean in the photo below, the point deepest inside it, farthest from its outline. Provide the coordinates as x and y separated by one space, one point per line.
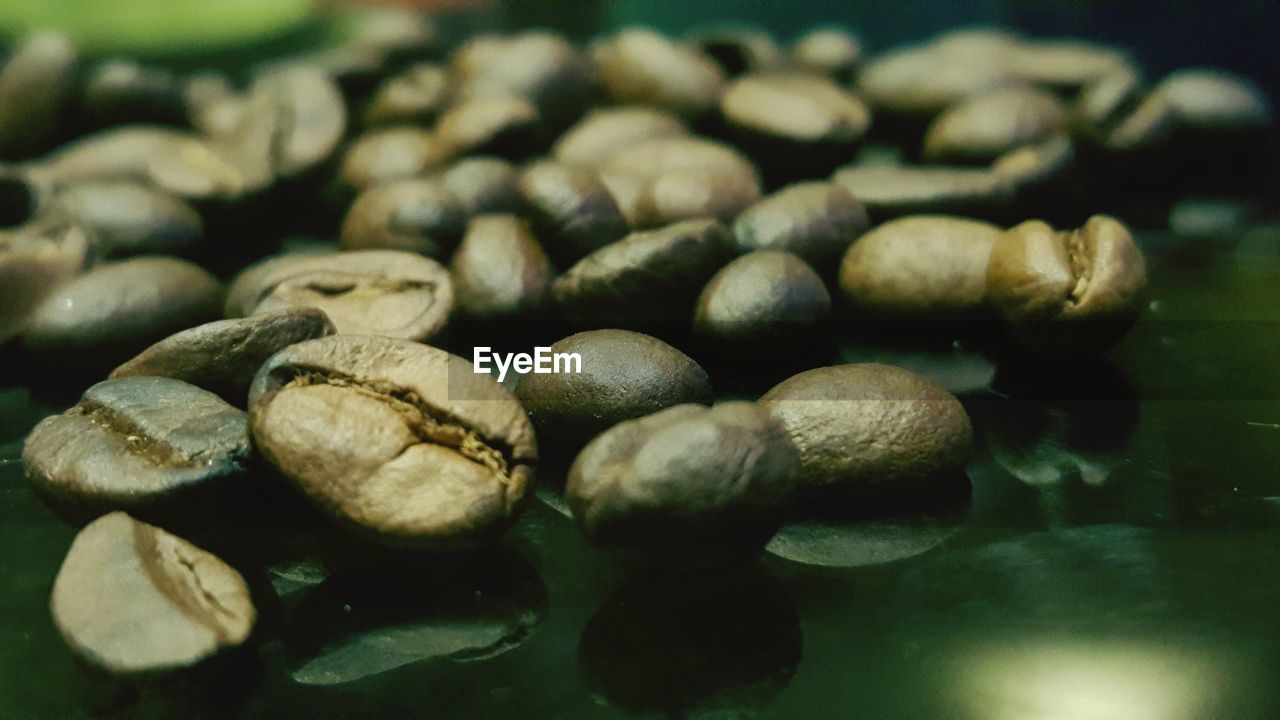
36 86
641 67
304 113
686 489
504 126
417 95
1067 292
150 445
415 214
1215 99
762 298
605 131
391 153
624 375
222 356
926 269
537 66
393 33
129 218
117 309
120 91
499 271
979 129
212 103
484 185
1103 102
131 598
36 258
571 208
646 277
831 51
739 49
1040 173
375 292
663 181
814 220
893 190
920 82
124 153
1064 65
872 432
399 441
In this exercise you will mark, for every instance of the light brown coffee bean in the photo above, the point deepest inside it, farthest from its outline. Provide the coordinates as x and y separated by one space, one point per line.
1215 99
831 51
979 129
1064 65
641 67
605 131
499 271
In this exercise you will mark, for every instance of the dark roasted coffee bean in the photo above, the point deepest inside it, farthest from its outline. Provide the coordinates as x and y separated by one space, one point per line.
149 445
815 220
131 598
36 87
605 131
686 489
624 375
119 92
872 432
504 126
369 292
646 277
1215 100
415 214
926 269
572 210
391 153
484 185
979 129
662 181
499 271
537 66
222 356
117 309
888 191
762 298
129 218
417 95
36 258
831 51
399 441
641 67
1067 292
739 49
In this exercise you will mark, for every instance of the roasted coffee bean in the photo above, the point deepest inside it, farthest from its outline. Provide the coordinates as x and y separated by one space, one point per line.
605 131
499 271
624 375
222 356
979 129
36 258
394 33
120 91
1216 100
416 214
1040 173
814 220
131 598
686 489
504 126
646 277
148 445
36 87
537 66
484 185
1064 65
391 153
124 153
641 67
926 269
871 432
572 209
417 95
762 298
1068 292
920 82
212 102
372 292
831 51
305 114
129 218
1103 102
399 441
117 309
663 181
739 49
888 191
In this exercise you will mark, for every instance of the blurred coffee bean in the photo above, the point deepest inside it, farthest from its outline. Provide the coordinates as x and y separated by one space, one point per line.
398 441
537 66
873 433
304 113
37 86
417 95
831 51
762 298
484 185
117 309
739 49
1217 100
128 218
890 191
122 91
1064 65
36 258
928 269
815 220
979 129
663 181
417 214
153 446
572 210
499 271
508 127
124 153
1069 292
1040 173
369 292
649 277
131 598
211 101
395 33
222 356
209 173
638 66
390 153
625 375
1103 101
605 131
686 489
920 82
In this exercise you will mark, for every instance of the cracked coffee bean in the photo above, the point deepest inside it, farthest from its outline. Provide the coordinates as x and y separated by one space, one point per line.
400 442
154 446
129 218
572 210
369 292
815 220
762 298
641 67
131 598
686 489
499 271
420 215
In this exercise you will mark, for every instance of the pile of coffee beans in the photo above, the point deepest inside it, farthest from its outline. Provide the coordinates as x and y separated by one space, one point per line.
279 279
